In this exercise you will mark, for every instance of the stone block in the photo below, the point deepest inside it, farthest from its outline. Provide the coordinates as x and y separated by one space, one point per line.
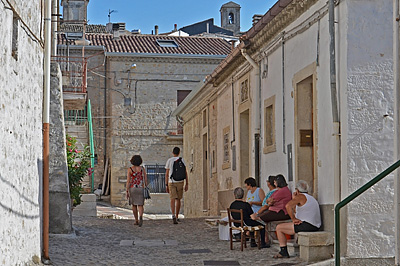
87 206
315 246
312 239
88 197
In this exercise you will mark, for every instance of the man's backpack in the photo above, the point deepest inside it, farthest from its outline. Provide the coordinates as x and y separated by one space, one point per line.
178 170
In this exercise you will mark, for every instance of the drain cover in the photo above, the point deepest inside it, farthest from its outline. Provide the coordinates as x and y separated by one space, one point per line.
221 262
191 251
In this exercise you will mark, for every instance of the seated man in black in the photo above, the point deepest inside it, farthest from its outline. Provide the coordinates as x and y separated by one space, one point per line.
240 204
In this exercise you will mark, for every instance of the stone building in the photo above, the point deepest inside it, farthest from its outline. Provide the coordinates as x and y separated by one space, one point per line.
134 83
230 17
74 11
21 100
267 109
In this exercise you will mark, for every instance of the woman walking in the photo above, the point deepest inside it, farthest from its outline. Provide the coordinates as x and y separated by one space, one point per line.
135 182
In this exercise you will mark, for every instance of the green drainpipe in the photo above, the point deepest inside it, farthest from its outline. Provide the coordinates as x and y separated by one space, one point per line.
89 117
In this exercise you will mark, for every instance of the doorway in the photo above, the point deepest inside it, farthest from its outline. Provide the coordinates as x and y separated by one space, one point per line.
205 172
304 128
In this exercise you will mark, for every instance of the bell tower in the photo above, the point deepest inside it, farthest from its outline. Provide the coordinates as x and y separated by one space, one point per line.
74 10
230 17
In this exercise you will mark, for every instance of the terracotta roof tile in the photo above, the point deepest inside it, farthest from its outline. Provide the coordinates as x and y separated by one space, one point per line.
148 44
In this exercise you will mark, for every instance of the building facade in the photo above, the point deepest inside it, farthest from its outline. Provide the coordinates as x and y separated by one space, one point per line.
267 109
134 83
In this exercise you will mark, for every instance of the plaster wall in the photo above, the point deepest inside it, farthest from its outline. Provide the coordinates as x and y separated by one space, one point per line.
298 54
369 144
21 134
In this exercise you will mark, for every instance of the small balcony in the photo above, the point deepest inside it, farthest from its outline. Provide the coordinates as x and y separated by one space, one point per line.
74 81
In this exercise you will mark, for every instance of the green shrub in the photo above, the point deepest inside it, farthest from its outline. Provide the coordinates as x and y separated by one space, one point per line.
78 167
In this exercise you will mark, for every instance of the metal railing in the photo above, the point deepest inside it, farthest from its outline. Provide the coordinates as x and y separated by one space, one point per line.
75 117
156 178
351 197
91 142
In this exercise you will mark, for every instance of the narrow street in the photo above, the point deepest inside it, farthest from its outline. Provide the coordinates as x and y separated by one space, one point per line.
105 241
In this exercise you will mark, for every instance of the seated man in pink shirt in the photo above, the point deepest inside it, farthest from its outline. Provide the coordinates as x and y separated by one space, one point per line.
303 209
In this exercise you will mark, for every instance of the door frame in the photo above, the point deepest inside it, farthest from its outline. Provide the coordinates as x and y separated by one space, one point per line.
308 71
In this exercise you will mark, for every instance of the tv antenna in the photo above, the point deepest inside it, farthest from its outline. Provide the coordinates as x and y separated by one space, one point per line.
109 14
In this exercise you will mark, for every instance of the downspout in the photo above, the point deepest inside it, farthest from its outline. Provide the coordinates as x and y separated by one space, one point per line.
283 96
46 129
105 111
54 22
209 155
257 114
233 128
396 69
335 115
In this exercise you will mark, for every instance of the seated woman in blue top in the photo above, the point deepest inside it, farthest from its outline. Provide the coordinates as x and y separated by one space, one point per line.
255 195
272 189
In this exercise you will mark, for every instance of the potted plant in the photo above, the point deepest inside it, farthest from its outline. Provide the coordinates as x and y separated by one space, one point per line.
78 166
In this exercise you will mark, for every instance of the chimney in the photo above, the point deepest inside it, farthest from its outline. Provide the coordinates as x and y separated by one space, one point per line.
256 18
208 28
232 44
175 27
156 29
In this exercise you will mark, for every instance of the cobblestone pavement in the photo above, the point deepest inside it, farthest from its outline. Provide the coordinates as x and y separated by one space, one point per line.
102 241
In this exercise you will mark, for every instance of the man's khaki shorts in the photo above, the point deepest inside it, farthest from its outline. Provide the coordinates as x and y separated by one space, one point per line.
175 190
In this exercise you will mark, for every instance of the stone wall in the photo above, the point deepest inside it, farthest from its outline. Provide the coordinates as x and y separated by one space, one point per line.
59 198
146 127
21 99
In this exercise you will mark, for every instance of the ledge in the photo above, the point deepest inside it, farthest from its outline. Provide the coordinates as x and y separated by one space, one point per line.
175 137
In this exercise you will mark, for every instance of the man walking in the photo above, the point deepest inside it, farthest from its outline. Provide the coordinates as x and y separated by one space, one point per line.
174 179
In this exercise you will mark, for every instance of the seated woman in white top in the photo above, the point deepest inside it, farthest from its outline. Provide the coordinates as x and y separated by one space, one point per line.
255 195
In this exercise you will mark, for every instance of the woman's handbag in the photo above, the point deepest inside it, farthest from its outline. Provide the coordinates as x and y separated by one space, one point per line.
146 193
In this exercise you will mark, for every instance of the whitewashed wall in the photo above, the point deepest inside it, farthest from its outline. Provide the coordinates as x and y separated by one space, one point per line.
21 85
370 136
365 84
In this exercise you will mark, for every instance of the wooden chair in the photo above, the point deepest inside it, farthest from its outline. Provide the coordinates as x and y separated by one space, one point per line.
243 229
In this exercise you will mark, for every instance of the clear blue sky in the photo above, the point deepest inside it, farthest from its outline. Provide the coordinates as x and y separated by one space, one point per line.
145 14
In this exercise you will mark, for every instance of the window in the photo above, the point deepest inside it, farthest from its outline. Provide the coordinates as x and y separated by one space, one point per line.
14 44
181 95
244 90
269 125
167 43
226 142
204 118
231 18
